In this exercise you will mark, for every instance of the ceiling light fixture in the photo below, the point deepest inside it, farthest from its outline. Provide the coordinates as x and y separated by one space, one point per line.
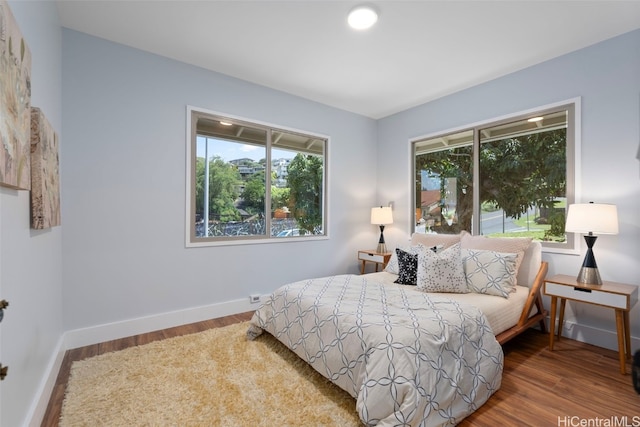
226 123
362 17
535 119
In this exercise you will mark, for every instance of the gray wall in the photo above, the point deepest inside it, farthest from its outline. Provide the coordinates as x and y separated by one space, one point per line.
607 78
122 253
123 186
30 260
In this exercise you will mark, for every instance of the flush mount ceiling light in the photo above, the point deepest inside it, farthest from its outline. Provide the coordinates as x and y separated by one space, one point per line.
362 17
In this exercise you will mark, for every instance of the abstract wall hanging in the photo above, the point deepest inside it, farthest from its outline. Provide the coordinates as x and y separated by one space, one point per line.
15 103
45 177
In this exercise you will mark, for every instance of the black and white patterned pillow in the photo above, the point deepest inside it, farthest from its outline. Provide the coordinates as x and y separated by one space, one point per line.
490 272
442 271
392 266
407 267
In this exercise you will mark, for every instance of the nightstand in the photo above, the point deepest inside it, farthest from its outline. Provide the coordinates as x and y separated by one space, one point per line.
379 258
619 296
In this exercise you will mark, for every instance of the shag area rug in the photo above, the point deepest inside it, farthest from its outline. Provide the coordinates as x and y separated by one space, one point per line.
211 378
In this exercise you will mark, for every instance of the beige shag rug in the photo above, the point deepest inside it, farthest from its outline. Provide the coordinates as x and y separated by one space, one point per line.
211 378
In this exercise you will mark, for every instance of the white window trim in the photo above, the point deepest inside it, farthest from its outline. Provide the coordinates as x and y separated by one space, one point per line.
575 246
263 240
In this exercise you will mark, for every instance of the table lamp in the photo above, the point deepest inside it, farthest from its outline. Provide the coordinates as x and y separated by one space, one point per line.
590 218
381 216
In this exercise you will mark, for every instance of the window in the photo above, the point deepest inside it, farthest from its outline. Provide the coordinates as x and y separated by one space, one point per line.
252 182
509 177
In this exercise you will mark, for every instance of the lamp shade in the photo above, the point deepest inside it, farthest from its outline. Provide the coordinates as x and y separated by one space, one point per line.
381 216
596 218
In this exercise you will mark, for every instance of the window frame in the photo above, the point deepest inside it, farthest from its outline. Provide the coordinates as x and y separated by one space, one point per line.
191 140
573 105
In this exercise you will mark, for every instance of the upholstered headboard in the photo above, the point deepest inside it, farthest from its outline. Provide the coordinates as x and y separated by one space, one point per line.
530 264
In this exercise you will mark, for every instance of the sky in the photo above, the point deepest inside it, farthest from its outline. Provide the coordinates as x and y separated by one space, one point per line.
232 150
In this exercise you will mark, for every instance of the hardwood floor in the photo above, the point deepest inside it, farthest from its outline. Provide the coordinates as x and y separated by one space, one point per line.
574 382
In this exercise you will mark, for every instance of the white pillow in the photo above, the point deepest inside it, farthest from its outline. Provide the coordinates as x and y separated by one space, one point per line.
490 272
442 271
515 245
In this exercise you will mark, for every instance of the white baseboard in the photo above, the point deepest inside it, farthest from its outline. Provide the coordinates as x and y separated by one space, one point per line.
596 336
110 331
126 328
39 405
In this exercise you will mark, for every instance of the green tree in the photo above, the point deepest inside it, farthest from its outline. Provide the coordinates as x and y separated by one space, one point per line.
520 173
279 197
253 194
456 163
306 186
223 182
516 174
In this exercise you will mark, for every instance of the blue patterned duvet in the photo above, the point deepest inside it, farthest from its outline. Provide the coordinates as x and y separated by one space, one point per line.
409 358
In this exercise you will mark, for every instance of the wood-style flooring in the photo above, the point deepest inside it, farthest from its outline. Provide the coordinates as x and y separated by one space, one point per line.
575 382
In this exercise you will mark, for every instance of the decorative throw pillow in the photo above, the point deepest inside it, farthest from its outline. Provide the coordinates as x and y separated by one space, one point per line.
408 267
489 272
511 245
442 271
393 266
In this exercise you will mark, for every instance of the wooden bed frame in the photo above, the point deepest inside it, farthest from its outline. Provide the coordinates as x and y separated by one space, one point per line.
526 319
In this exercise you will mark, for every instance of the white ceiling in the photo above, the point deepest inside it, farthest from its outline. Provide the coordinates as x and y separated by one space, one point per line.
418 51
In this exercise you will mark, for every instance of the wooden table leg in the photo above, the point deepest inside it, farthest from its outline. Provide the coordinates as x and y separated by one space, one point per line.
563 303
552 321
627 333
362 267
621 340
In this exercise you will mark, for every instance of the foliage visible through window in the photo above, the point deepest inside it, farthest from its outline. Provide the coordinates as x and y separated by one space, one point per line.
509 178
254 181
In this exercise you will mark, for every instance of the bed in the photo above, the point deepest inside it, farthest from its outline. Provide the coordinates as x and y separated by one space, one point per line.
408 357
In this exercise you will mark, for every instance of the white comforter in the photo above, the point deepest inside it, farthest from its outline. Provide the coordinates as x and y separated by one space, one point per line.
408 357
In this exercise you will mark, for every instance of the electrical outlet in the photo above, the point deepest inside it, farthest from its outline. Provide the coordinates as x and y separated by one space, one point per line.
254 299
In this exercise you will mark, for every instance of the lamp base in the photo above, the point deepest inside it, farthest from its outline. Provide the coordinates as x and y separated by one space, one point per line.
589 272
382 247
589 276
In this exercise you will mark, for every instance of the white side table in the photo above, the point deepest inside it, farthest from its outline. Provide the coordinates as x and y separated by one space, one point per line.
379 258
619 296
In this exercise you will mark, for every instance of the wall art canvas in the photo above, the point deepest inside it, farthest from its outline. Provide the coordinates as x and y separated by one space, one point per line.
45 176
15 103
